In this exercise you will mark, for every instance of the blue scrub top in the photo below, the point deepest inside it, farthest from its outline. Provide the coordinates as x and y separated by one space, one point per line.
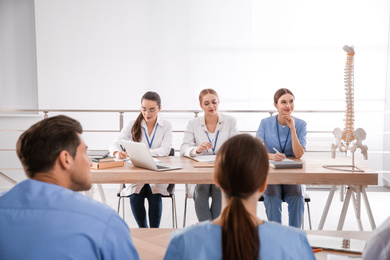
39 220
268 134
204 241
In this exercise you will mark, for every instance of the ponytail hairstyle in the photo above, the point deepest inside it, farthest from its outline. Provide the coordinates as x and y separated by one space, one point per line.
280 92
241 169
136 131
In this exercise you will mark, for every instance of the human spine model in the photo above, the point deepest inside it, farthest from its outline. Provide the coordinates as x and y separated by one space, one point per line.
348 136
345 138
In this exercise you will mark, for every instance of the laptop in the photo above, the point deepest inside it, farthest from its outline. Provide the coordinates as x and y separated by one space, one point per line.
140 157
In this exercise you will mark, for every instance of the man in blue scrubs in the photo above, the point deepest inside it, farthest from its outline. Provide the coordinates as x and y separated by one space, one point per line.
44 217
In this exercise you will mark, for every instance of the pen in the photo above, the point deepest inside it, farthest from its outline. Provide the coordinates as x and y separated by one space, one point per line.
275 150
123 149
315 250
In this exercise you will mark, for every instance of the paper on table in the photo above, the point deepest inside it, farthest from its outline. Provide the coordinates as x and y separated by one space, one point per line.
337 243
342 257
204 165
203 158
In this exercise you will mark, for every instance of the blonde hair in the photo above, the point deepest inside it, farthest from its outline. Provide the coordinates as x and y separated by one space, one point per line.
206 91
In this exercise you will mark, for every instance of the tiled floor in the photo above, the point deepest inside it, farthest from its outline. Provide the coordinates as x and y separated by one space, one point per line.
379 198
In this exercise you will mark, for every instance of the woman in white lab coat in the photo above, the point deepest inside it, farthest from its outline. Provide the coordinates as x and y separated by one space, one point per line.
156 132
204 136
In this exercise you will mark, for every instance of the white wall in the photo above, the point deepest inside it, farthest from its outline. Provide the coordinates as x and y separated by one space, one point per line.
106 54
18 78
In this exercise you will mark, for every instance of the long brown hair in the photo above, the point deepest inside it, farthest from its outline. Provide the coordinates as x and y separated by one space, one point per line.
241 169
136 131
280 92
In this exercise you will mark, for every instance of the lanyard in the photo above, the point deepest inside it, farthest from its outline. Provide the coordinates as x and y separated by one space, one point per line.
215 143
288 134
146 135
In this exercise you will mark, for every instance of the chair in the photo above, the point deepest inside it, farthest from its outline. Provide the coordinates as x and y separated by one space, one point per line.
170 189
189 196
307 200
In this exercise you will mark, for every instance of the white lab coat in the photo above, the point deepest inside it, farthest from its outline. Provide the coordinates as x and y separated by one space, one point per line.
195 134
161 146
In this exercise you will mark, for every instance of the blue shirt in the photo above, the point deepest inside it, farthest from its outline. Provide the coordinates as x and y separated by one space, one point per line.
204 241
39 220
268 134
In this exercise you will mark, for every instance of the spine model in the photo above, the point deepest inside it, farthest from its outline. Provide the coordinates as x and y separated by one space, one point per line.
349 139
348 135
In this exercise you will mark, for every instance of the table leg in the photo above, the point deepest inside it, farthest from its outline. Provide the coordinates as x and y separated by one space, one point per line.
342 190
327 206
88 193
345 208
357 205
368 208
101 192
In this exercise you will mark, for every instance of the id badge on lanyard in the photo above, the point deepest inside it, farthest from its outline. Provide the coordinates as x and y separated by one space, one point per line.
288 135
147 139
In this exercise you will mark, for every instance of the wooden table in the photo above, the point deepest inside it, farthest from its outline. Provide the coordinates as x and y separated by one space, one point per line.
152 243
312 172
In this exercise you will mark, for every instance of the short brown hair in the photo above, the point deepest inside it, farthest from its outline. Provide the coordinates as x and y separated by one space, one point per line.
280 92
39 146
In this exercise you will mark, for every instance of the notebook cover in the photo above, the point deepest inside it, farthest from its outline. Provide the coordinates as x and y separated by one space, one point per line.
285 164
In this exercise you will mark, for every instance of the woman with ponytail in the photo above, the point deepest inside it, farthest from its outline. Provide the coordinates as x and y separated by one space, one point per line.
241 170
156 132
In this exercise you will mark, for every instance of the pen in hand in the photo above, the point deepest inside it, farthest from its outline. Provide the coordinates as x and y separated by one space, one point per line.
278 155
121 154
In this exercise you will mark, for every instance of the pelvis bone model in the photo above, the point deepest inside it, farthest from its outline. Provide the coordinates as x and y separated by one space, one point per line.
345 139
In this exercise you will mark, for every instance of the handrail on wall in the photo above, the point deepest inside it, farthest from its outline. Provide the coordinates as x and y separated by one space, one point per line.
121 112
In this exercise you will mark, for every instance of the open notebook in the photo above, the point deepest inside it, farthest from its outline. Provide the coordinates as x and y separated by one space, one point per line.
337 243
203 158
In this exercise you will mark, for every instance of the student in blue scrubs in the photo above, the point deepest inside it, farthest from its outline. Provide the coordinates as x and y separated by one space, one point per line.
241 170
156 132
284 136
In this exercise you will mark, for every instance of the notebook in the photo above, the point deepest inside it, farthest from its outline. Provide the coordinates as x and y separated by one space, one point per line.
337 243
285 164
203 158
98 154
140 157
